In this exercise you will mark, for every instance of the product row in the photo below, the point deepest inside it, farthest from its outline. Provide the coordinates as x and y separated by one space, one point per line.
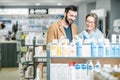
79 49
83 71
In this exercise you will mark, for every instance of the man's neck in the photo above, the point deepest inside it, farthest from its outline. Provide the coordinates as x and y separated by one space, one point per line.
65 24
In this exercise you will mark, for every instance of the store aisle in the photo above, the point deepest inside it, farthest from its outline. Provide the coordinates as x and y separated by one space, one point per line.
9 74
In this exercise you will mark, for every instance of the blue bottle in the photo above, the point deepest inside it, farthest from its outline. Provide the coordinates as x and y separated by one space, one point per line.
119 51
100 49
113 51
79 49
85 35
108 48
94 49
108 51
116 51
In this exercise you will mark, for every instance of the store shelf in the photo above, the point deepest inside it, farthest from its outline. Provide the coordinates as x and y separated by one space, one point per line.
88 57
28 63
31 77
39 57
68 59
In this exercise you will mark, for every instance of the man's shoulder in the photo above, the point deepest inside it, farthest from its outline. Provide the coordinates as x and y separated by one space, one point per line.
74 26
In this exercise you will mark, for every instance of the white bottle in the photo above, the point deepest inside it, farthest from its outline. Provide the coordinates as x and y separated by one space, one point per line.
53 47
27 56
108 48
72 49
72 71
90 75
83 72
30 56
27 40
101 48
94 48
38 77
97 66
78 72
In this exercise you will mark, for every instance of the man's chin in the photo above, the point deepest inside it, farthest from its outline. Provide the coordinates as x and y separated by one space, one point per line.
70 23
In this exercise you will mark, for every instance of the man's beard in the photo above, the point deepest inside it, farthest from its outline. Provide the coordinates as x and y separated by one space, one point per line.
66 20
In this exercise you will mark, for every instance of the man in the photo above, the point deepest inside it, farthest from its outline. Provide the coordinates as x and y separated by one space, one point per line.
65 26
2 25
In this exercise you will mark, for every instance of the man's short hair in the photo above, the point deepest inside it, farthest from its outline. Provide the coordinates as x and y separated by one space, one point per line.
70 7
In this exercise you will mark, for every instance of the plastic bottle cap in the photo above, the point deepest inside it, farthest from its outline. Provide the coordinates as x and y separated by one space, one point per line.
72 64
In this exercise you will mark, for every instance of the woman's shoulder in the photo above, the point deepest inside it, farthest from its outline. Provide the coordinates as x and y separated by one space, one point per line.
99 32
81 33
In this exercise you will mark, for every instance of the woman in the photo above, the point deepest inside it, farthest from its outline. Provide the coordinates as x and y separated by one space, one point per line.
91 28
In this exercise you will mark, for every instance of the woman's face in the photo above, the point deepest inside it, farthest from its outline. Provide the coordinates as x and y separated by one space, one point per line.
90 23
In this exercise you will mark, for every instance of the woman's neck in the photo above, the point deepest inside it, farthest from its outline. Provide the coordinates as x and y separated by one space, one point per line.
89 31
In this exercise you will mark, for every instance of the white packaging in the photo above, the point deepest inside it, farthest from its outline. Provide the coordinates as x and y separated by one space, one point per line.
29 72
101 49
108 50
53 48
65 72
72 47
90 70
65 50
27 56
30 56
38 74
86 50
114 38
27 40
78 72
97 66
71 72
59 50
59 71
119 39
84 72
53 72
115 68
36 51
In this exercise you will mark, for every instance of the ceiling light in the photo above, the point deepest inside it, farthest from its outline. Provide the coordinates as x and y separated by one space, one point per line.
37 4
59 4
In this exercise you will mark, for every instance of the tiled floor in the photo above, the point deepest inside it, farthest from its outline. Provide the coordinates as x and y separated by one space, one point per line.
9 74
13 74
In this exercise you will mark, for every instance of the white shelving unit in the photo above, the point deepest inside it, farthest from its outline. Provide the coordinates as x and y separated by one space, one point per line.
103 60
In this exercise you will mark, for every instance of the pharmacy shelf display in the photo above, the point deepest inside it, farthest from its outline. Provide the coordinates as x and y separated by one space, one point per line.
40 59
72 64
